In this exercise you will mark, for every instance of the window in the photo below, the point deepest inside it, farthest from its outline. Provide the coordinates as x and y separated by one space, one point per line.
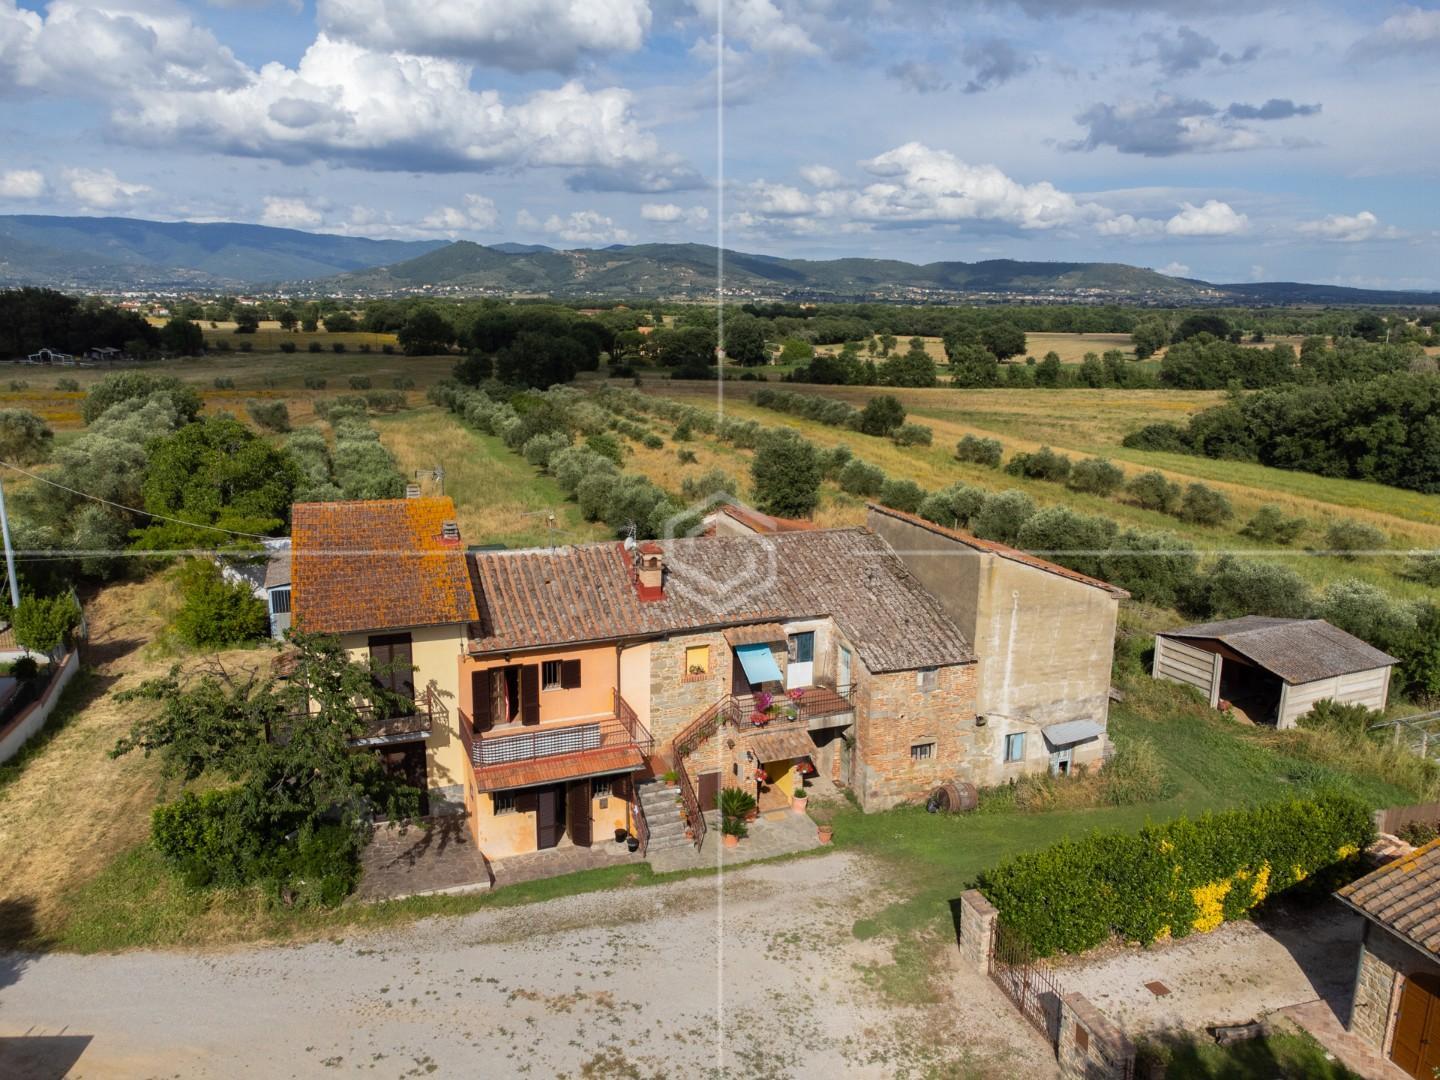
922 751
1015 747
697 660
279 601
600 788
560 675
927 679
802 647
503 802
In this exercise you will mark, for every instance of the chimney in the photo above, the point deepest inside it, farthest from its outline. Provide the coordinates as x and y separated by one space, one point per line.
450 531
650 571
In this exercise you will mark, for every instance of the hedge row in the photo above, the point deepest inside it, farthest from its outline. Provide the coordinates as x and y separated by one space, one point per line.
1187 876
885 416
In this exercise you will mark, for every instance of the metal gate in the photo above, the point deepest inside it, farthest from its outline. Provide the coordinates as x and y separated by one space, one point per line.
1028 981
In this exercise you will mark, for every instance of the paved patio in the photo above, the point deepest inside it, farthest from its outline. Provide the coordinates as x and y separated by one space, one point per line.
436 856
781 832
1318 1018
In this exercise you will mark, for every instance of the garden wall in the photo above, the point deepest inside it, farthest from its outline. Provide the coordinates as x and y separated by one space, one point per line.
19 730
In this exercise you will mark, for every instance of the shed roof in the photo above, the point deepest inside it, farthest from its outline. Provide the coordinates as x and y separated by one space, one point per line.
540 597
1404 897
1004 551
1297 650
377 564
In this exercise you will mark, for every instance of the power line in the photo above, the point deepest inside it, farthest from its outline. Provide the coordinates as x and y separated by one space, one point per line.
131 509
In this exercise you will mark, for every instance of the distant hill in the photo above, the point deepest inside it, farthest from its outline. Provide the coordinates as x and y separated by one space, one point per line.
91 253
100 252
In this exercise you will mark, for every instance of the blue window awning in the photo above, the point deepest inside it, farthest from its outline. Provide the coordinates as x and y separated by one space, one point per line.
759 664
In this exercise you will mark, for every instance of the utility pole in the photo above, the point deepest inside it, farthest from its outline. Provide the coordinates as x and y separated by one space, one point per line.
9 552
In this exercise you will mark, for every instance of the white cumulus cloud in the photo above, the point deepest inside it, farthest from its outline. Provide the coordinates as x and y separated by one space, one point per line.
101 189
22 184
520 35
1349 228
478 213
1214 218
671 214
290 213
585 227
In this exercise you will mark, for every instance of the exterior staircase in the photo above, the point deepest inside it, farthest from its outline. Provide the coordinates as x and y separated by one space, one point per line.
660 803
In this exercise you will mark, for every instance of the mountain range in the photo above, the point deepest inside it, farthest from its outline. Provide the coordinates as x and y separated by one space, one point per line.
127 253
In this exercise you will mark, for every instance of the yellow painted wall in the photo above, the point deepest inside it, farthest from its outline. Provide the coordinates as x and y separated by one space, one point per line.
635 680
502 835
436 653
592 698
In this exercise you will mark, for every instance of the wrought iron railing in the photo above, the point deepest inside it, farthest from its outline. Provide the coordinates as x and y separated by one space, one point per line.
694 816
512 743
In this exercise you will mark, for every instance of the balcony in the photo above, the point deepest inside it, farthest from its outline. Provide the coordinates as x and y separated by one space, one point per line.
817 707
389 725
516 755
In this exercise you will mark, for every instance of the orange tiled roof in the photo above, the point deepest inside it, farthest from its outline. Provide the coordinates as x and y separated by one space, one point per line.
552 770
1005 551
377 564
1403 896
764 523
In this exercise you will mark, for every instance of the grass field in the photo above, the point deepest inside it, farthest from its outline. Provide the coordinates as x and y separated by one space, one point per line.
1071 348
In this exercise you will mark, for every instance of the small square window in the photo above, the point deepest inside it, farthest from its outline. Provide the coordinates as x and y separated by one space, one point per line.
697 660
927 679
550 675
1015 747
503 802
922 751
600 789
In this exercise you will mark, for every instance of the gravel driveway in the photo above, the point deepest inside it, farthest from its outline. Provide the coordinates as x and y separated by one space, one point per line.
755 974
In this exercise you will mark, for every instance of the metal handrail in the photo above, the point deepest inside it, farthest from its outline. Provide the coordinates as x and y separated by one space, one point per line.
518 742
694 816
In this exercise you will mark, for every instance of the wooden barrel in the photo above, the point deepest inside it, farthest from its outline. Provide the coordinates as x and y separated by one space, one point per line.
953 798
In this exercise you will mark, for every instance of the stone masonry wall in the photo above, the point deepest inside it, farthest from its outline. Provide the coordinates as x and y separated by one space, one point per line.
977 929
1090 1047
1384 962
676 697
894 714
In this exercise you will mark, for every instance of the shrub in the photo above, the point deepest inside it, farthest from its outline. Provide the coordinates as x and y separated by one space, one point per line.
1002 515
1095 476
1151 491
314 382
905 495
1233 587
359 382
1154 567
1175 879
881 415
980 451
1270 525
1424 567
1346 537
385 401
25 439
1058 533
953 506
337 346
786 473
314 346
70 386
388 350
43 623
913 435
215 613
224 382
402 382
1043 464
835 461
270 415
1347 719
1168 438
653 442
541 448
712 482
1204 505
287 346
858 478
606 446
25 668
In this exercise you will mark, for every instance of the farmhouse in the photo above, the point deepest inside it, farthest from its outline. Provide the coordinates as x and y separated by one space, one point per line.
1396 1007
552 685
1274 670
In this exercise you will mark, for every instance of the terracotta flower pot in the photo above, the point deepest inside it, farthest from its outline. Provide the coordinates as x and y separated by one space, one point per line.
824 833
731 840
798 805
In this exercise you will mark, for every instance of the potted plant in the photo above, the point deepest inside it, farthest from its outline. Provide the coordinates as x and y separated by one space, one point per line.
797 798
620 835
824 832
732 829
632 843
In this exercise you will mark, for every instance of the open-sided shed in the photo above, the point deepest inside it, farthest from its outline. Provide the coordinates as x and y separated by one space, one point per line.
1274 670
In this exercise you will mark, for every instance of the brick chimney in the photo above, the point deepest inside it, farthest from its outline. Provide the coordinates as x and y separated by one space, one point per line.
650 571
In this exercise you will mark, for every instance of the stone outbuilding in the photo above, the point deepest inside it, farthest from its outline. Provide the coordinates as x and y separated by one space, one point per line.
1396 1008
1274 670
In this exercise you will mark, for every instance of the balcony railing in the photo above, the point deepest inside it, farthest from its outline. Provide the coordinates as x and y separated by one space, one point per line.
394 723
815 703
509 743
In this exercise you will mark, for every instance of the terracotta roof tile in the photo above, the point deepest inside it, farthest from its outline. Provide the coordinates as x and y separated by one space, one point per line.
552 770
377 564
551 596
1005 551
1404 897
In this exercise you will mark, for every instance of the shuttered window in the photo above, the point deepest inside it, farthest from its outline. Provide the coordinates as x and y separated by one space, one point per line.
392 663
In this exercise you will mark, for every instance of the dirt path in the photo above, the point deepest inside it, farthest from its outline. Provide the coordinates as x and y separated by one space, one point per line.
684 979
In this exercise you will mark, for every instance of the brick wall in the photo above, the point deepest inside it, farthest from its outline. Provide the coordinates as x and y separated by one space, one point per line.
977 929
1090 1047
1385 963
894 714
676 697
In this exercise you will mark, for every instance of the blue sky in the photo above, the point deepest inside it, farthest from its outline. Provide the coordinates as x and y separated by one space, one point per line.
1220 139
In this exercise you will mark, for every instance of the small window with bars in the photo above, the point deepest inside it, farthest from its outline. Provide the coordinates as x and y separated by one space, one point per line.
600 788
280 601
922 751
503 802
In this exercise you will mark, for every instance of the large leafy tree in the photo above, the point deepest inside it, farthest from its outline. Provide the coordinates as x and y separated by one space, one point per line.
786 472
217 472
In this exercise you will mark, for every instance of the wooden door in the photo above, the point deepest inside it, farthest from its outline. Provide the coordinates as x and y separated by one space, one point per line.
1416 1047
709 791
577 812
549 817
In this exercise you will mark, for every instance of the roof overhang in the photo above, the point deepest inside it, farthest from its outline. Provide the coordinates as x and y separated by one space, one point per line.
1072 732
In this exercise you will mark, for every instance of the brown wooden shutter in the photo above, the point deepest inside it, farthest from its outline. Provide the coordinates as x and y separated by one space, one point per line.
577 812
392 658
569 674
530 694
480 706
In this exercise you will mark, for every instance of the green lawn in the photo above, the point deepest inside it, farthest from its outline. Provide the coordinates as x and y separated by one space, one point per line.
1279 1056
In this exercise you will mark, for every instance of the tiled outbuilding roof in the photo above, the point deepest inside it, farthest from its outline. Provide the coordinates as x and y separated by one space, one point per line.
1004 551
377 564
1297 650
1404 897
551 596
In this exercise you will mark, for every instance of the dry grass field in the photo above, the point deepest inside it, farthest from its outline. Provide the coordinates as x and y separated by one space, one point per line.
1071 348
